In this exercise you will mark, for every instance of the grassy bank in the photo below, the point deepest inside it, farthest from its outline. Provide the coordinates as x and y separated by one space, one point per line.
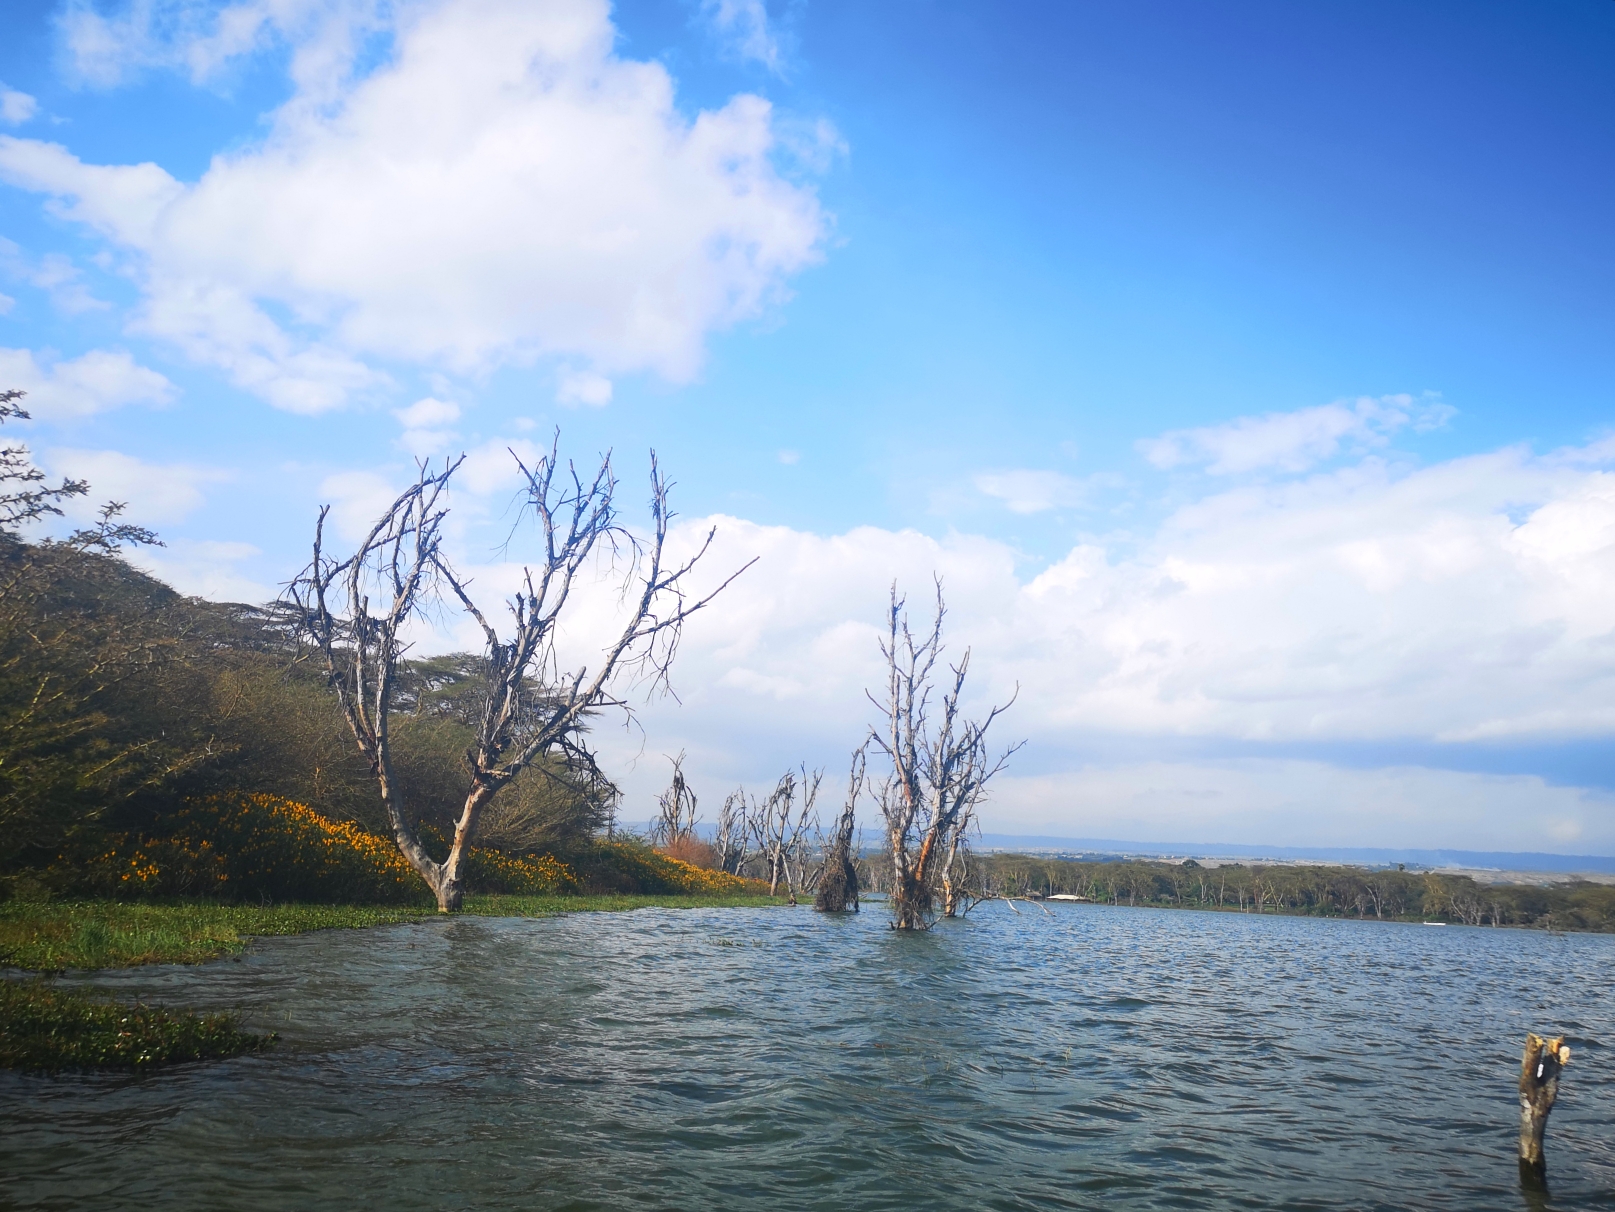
53 936
43 1027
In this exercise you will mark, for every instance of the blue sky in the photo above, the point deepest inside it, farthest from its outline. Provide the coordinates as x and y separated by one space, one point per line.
1245 368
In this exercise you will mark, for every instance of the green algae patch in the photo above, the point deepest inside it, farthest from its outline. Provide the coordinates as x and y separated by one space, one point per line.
57 935
44 1027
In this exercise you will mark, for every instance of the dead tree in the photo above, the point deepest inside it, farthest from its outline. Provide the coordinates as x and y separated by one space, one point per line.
956 867
732 837
838 885
781 828
676 810
531 708
940 767
1539 1086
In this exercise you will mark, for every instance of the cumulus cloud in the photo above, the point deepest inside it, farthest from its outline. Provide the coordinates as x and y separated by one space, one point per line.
1461 602
64 282
744 29
1028 491
582 387
503 187
155 492
1294 441
94 382
15 107
426 426
206 568
202 40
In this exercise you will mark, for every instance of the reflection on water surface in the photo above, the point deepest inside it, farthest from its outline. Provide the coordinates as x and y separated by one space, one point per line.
1096 1058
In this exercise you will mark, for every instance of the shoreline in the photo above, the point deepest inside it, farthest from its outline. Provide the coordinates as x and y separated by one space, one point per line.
51 937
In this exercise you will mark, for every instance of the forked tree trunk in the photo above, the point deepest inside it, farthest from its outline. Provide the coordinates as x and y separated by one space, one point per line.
1539 1086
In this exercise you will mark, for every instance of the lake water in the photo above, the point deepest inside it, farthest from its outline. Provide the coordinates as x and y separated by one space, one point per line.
1089 1057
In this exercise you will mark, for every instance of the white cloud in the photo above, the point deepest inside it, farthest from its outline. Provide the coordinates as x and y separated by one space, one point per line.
357 499
6 304
104 50
62 280
94 382
1294 441
1357 608
155 492
504 187
1028 491
1306 803
582 387
426 425
204 568
15 107
744 28
428 413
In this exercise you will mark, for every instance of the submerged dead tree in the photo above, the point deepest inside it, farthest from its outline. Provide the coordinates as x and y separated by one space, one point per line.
1539 1086
781 828
732 836
676 810
940 764
355 611
838 884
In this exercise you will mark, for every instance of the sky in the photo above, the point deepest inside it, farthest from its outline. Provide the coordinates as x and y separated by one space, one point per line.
1243 370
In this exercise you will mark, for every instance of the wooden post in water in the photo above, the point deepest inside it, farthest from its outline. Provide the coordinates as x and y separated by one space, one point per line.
1539 1086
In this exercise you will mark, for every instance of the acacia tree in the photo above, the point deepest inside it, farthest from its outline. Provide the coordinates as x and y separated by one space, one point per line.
354 612
940 767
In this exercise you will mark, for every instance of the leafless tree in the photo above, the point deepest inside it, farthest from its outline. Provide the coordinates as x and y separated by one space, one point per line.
732 837
781 826
676 809
354 612
838 882
940 767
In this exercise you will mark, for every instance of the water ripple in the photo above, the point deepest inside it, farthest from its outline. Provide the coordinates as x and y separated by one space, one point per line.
1093 1059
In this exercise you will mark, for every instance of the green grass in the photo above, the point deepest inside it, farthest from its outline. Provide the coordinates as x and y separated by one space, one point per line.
44 1027
55 936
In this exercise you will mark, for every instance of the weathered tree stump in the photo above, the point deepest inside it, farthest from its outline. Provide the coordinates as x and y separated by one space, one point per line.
1539 1086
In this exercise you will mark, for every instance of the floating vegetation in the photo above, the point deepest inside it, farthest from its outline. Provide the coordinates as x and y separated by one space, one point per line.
48 1028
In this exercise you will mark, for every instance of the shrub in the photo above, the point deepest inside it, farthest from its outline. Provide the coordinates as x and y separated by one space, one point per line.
691 850
256 847
534 875
629 866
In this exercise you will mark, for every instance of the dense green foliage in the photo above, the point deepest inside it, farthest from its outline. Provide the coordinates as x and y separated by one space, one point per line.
123 707
1329 891
46 1027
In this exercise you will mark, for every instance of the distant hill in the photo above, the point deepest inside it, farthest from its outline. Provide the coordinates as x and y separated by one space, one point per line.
1362 856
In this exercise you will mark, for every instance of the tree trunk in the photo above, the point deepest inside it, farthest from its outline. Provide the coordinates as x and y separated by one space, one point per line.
450 886
1539 1086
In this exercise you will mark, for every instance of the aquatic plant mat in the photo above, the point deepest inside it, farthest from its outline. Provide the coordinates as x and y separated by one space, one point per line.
44 1027
55 936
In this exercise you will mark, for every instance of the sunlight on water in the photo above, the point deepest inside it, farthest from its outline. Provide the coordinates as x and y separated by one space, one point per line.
1092 1058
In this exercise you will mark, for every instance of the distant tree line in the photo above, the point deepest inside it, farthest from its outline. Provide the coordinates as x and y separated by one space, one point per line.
1351 892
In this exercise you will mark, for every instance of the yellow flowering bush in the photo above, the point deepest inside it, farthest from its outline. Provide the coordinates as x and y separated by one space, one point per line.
622 866
258 847
262 847
534 875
